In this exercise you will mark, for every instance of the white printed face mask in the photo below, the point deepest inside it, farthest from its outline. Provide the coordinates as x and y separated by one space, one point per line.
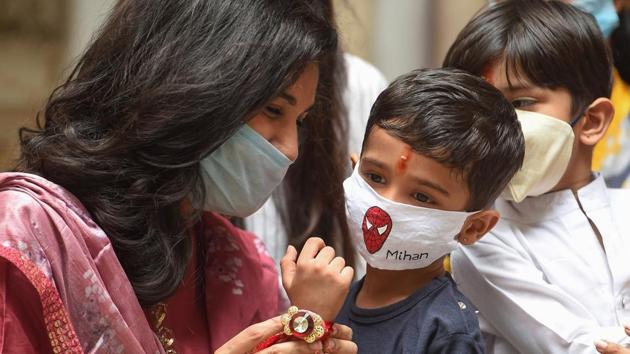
396 236
548 147
241 174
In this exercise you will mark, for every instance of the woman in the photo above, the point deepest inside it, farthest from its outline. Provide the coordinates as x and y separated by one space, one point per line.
348 86
171 106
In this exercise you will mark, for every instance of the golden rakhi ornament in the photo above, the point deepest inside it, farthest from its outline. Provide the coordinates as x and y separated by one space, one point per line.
303 324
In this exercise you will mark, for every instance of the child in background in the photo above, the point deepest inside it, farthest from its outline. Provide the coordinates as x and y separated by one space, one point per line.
554 275
439 147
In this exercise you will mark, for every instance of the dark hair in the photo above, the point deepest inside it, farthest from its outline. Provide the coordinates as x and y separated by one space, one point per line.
550 43
310 200
162 86
460 121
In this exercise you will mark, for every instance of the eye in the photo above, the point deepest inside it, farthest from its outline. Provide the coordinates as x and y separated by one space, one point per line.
375 178
523 102
421 197
273 112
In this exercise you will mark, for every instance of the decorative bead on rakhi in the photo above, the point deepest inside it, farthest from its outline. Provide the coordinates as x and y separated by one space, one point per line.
303 324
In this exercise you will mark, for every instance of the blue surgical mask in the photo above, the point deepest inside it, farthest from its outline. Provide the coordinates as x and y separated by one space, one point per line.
604 12
241 174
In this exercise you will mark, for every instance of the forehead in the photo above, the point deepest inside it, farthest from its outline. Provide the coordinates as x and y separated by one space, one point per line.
387 149
505 78
304 88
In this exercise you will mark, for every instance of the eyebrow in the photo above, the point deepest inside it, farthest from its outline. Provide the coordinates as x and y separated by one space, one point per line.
431 185
291 99
516 87
374 162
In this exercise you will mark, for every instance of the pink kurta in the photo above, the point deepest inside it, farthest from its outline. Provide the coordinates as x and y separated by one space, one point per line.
62 287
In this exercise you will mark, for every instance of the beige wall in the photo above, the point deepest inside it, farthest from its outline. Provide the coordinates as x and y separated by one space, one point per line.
354 18
32 43
400 35
448 22
37 56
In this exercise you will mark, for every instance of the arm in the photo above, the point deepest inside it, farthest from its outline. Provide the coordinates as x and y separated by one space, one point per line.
512 294
301 277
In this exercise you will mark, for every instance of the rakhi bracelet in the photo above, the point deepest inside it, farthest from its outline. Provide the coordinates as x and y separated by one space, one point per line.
299 324
305 325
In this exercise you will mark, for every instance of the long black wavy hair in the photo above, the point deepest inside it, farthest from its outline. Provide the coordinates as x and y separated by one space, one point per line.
311 200
161 86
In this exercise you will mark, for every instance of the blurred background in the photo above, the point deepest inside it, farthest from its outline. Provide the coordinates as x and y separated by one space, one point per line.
40 41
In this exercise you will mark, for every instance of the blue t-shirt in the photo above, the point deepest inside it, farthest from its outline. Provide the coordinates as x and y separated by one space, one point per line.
437 318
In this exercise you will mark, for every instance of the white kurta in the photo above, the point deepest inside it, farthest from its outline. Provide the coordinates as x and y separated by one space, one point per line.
542 281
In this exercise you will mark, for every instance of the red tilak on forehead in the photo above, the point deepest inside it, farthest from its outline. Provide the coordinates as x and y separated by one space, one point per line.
404 159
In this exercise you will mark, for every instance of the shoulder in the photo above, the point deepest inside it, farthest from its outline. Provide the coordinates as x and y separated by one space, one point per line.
454 317
619 197
17 203
454 312
26 196
360 71
619 206
499 253
503 241
25 222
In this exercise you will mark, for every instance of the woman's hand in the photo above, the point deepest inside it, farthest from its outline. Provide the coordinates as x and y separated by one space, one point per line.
244 342
316 280
612 348
340 340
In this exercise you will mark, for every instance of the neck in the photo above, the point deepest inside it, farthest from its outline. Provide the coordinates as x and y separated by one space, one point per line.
385 287
579 174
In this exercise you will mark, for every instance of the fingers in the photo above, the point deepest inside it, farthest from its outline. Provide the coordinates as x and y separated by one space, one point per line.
338 264
347 274
627 329
288 266
325 255
338 346
311 248
251 336
340 331
610 348
291 347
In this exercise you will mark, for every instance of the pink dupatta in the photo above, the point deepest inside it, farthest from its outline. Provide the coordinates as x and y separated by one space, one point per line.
88 303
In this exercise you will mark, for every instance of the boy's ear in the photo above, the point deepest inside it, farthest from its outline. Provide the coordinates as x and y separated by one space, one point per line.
598 117
478 225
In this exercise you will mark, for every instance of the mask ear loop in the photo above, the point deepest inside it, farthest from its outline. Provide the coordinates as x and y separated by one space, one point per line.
574 121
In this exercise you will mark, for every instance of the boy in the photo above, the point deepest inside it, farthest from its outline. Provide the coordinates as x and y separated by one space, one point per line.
440 146
554 275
